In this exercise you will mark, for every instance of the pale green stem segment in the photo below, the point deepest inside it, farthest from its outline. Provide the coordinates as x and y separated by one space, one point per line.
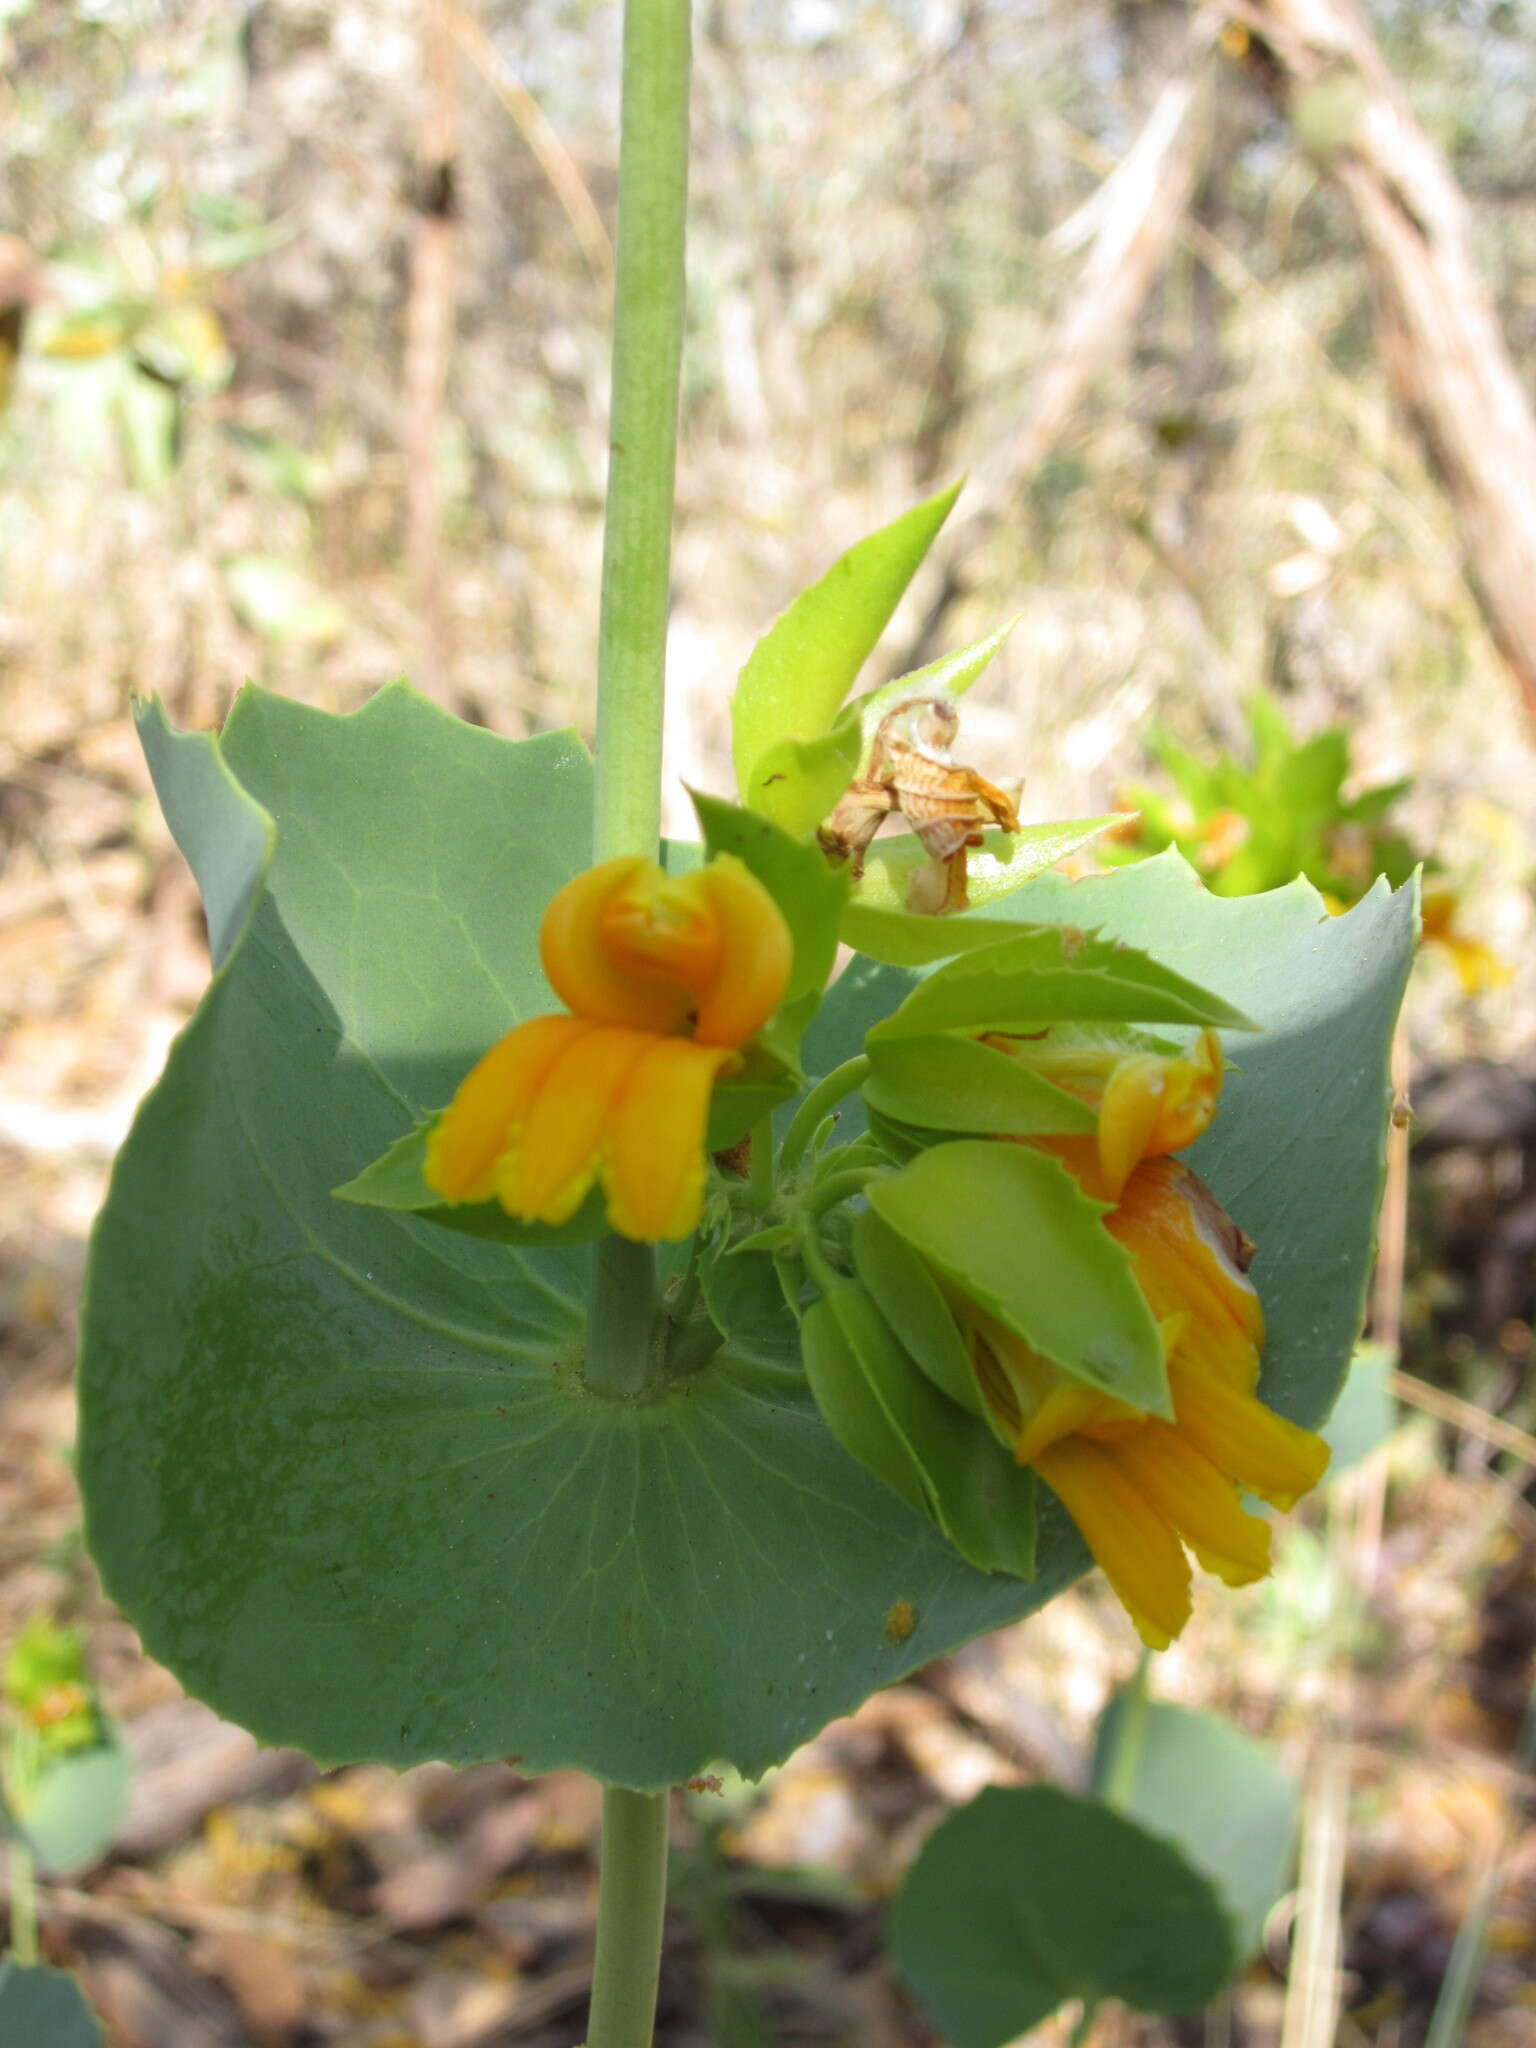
631 1900
637 549
631 672
621 1319
1129 1738
23 1905
825 1096
647 354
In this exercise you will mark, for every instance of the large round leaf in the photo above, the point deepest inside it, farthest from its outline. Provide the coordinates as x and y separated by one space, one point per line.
340 1466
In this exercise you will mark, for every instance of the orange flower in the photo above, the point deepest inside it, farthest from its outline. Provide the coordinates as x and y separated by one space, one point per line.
664 979
1139 1488
1149 1103
1478 967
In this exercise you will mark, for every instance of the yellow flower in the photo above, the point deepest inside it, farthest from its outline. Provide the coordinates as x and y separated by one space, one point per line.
1139 1488
1478 967
1149 1103
664 979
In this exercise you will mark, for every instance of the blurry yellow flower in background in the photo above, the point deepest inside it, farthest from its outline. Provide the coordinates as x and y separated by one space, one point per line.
664 978
1478 967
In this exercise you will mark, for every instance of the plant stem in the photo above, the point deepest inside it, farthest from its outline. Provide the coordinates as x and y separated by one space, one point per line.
647 353
621 1318
1129 1738
23 1904
761 1184
1085 2022
631 1902
827 1092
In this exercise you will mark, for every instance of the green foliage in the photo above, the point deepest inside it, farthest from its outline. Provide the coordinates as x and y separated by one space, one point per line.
959 1084
797 676
1013 1231
1249 826
44 2008
66 1773
1212 1791
1027 1898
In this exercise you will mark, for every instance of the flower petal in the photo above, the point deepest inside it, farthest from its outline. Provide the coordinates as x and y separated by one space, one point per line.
1187 1253
545 1175
1141 1556
490 1106
1276 1459
581 963
654 1170
1196 1500
756 954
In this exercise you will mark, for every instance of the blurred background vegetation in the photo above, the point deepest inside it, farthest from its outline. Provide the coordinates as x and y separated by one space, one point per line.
304 325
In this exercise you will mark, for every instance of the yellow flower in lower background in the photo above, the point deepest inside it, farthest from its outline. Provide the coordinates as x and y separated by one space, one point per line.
1478 967
665 979
1139 1488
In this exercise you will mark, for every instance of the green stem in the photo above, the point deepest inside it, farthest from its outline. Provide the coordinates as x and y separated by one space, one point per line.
631 1902
1084 2025
647 352
826 1094
1129 1738
621 1318
23 1904
837 1187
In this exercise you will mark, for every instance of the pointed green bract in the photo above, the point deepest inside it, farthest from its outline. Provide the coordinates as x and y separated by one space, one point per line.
1014 1232
960 1085
396 1181
1030 1896
798 674
1057 974
797 783
950 676
907 1295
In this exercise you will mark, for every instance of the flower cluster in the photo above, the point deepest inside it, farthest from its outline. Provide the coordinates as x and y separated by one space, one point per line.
664 979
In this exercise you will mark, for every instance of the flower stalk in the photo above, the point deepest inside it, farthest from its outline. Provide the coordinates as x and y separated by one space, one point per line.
631 674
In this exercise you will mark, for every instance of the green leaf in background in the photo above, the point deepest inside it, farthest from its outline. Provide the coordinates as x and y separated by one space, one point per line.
1029 1897
1057 974
1365 1414
959 1084
800 671
1012 1229
72 1810
308 1422
278 601
1204 1785
44 2008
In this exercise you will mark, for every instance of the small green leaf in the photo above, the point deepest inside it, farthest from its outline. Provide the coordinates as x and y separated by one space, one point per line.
908 1296
849 1406
395 1180
1013 1230
741 1290
797 782
950 676
906 938
73 1808
1213 1791
971 1488
1028 1897
44 2008
810 893
958 1084
800 671
1051 974
1003 863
